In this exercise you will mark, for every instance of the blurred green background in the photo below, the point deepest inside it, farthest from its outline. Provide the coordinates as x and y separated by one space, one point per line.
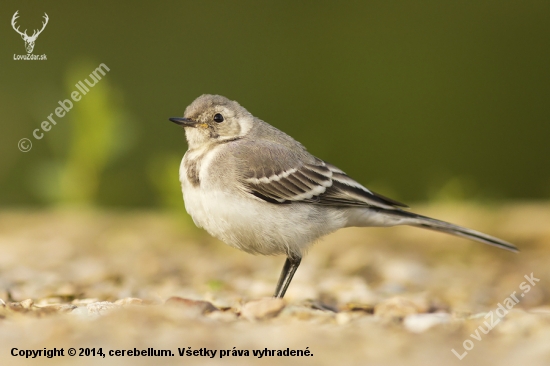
431 100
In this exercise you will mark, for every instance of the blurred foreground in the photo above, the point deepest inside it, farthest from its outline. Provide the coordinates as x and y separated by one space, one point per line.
377 296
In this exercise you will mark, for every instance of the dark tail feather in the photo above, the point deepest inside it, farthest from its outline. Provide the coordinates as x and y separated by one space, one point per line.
425 222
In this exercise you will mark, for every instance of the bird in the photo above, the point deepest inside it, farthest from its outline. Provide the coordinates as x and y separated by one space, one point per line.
259 190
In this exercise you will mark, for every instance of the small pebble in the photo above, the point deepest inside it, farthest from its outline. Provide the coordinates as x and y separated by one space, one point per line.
100 308
27 304
418 323
199 306
56 308
345 317
129 301
399 307
306 313
224 316
80 302
262 309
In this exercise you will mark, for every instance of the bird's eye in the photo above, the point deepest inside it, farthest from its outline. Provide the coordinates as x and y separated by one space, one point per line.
218 117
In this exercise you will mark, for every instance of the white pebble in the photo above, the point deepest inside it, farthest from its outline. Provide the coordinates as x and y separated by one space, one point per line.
418 323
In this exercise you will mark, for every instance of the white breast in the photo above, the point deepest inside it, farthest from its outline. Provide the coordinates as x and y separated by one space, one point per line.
248 223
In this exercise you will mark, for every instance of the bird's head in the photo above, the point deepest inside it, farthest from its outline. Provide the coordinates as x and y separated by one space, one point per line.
213 119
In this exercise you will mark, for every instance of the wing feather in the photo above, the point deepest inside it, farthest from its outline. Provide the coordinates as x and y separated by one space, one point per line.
290 179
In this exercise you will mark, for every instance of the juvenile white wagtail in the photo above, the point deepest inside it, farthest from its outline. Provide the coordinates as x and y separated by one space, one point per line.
259 190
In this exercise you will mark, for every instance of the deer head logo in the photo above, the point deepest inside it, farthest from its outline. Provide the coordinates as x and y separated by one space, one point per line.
29 40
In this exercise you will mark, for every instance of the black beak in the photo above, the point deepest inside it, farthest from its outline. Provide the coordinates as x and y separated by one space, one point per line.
184 122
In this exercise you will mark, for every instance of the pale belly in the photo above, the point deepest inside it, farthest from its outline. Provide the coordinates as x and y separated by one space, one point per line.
256 226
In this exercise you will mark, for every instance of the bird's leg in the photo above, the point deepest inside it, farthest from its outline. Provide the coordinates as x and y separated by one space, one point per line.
290 267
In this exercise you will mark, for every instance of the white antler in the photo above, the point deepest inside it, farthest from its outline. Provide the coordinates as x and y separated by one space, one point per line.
15 16
37 32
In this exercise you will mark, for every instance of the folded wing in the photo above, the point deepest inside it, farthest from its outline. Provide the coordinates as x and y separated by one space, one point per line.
314 182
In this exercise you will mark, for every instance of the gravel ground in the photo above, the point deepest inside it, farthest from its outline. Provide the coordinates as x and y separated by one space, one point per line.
119 281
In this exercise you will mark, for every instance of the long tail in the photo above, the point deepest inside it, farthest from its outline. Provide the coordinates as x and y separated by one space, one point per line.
412 219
